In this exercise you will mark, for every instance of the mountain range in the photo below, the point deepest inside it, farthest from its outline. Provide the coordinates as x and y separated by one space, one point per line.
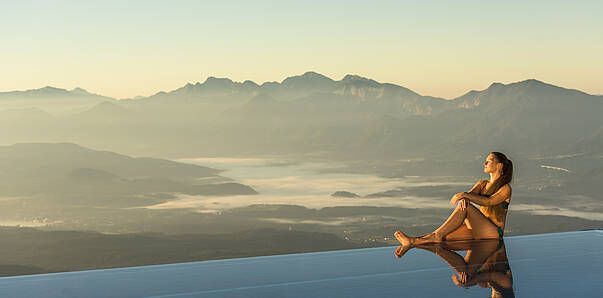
354 117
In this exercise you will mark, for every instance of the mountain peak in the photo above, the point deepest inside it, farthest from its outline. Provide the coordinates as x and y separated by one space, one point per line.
79 91
312 74
250 83
524 83
355 80
214 80
530 85
530 91
309 80
309 75
47 91
50 88
213 84
532 81
272 84
495 85
351 77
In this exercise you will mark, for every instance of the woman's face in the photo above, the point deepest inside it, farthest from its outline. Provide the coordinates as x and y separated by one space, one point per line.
491 165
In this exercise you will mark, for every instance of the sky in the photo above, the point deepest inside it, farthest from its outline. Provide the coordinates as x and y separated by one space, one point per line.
440 48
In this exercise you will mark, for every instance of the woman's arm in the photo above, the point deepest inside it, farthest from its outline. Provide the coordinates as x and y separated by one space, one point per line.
476 189
496 277
502 194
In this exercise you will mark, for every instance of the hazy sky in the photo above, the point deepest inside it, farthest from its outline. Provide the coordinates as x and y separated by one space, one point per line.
439 48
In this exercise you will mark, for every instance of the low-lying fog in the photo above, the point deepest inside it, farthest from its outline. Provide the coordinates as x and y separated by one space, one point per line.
312 184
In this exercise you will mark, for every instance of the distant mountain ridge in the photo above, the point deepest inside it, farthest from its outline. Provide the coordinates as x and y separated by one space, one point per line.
309 81
55 101
356 116
49 91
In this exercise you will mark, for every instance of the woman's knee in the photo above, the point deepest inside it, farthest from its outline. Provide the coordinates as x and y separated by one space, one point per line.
465 207
472 209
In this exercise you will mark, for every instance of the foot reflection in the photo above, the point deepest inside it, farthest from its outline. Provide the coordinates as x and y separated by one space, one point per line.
485 263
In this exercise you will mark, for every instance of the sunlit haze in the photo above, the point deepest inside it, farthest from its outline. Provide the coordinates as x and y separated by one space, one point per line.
439 48
154 132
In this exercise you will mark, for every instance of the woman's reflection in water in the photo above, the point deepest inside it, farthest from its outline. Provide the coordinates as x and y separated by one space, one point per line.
485 264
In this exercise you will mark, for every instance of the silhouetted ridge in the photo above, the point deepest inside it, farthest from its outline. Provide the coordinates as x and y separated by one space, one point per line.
358 80
213 84
79 91
186 89
78 95
250 83
309 80
47 91
50 89
221 82
270 84
528 91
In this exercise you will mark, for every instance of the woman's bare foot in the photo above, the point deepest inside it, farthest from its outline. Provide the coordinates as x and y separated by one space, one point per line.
429 238
401 250
425 239
425 236
405 240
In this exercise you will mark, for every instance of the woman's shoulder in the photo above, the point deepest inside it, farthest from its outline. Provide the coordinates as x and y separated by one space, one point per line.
504 190
508 186
477 188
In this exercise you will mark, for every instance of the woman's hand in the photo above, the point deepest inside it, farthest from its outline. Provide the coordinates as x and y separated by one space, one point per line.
463 280
463 204
456 198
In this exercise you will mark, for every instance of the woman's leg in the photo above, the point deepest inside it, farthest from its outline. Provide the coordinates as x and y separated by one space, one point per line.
480 252
482 228
455 260
477 254
405 240
461 233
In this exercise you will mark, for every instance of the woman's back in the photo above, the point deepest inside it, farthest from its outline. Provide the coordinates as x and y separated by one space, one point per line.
496 213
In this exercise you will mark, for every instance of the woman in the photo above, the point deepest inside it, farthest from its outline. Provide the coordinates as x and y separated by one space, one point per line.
466 221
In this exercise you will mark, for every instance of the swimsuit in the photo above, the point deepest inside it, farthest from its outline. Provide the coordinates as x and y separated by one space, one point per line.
505 204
